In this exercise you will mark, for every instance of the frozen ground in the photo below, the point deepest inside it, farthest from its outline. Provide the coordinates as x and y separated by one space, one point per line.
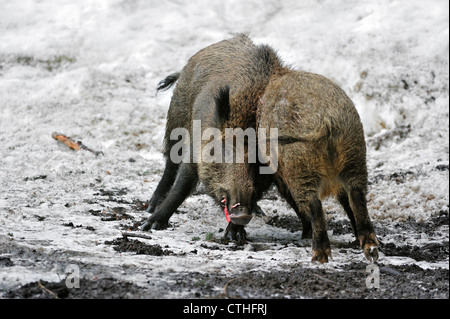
89 70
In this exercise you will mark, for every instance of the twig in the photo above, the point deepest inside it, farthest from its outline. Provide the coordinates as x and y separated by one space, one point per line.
226 286
47 290
126 234
72 144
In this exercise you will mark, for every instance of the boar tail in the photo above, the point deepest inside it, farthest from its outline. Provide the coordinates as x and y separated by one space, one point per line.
168 82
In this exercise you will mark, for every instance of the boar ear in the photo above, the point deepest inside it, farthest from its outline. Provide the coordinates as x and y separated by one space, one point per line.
223 104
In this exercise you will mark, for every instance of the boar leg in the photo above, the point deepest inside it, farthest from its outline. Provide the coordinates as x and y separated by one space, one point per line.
306 223
309 204
342 197
320 242
364 228
185 181
237 233
170 172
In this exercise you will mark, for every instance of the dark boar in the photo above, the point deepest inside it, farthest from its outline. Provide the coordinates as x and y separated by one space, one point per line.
321 148
321 151
220 86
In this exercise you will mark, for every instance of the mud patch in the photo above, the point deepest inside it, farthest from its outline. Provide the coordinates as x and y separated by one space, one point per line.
111 214
112 192
34 178
291 223
71 225
431 252
89 289
123 244
389 136
113 195
431 227
398 177
6 262
350 282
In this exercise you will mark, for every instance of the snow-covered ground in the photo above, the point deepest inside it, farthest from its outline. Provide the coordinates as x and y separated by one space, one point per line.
89 69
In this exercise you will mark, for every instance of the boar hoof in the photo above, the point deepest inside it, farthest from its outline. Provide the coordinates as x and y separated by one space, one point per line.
321 255
155 224
160 225
236 233
369 244
147 225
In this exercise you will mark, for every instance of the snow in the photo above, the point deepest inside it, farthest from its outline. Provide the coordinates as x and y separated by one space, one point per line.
89 70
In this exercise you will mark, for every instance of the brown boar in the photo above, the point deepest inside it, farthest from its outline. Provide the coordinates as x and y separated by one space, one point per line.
321 148
220 86
321 151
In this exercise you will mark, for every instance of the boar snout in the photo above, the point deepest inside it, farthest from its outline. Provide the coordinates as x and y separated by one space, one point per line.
240 215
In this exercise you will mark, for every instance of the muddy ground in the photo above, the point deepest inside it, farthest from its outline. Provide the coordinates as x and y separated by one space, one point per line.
348 282
300 280
89 70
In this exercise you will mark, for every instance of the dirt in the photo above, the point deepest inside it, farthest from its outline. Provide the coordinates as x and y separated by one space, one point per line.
6 262
292 223
296 281
89 289
429 252
123 244
111 214
395 282
407 281
290 280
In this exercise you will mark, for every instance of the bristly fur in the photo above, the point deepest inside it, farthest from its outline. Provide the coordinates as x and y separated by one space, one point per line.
268 59
223 103
321 151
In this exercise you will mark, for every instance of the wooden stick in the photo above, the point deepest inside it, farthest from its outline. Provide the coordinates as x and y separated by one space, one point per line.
47 290
66 140
225 291
133 234
72 144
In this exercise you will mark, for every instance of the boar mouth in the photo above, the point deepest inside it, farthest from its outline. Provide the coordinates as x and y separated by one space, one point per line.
238 214
240 219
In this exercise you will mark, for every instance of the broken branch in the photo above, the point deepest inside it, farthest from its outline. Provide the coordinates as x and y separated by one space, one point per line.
126 234
47 290
72 144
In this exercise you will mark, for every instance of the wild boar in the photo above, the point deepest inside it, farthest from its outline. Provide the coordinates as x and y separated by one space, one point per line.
320 147
321 151
218 88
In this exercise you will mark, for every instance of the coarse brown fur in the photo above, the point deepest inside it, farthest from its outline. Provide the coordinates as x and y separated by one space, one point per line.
220 86
325 153
321 147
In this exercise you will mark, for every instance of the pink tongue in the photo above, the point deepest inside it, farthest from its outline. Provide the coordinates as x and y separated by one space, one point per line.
225 209
227 216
